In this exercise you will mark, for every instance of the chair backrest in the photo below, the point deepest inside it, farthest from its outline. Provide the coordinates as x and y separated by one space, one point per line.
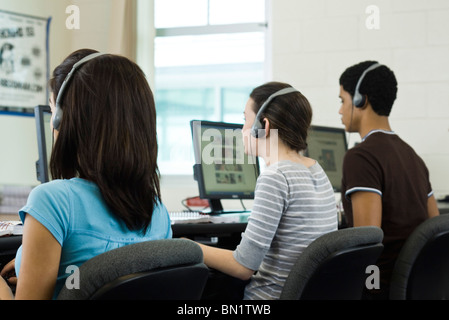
421 271
170 269
334 266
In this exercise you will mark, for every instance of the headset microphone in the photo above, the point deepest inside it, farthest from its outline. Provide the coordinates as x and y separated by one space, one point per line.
256 129
57 117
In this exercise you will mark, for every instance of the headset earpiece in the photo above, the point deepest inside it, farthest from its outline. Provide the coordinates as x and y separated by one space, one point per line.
257 130
57 117
359 100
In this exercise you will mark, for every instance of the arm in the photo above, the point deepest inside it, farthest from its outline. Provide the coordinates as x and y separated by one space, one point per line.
366 209
270 195
432 207
5 290
223 260
7 277
40 262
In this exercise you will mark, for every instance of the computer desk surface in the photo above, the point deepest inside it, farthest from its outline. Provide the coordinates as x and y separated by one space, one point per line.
223 230
228 234
208 229
443 207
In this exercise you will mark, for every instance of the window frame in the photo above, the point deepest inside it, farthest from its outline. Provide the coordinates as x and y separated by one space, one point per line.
208 29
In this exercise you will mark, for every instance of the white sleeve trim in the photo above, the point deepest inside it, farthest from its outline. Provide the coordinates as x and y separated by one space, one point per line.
365 189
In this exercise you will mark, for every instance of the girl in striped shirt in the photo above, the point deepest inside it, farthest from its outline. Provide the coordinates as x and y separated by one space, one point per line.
294 202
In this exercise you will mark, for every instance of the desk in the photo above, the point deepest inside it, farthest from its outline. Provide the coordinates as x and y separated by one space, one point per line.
444 207
228 235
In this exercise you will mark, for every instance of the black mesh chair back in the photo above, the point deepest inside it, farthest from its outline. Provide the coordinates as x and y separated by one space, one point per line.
421 270
171 269
334 266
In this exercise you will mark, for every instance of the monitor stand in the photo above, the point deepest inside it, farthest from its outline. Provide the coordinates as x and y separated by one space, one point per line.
217 208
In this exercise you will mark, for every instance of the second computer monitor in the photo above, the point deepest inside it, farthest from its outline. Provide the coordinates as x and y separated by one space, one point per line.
42 114
328 146
222 169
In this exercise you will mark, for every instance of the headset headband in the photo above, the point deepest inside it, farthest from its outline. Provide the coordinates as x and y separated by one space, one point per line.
359 100
257 123
58 113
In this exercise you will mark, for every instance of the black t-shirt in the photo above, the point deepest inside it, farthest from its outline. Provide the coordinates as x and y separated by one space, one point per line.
383 163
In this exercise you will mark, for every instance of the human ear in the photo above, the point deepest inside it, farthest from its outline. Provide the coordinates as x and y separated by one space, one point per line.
267 126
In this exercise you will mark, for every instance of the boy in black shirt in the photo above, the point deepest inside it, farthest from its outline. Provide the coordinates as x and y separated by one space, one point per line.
385 183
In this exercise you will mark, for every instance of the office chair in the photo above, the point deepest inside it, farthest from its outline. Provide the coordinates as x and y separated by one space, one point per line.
170 269
333 267
421 271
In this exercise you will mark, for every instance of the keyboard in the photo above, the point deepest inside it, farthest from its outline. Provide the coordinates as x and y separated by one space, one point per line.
200 217
10 228
178 217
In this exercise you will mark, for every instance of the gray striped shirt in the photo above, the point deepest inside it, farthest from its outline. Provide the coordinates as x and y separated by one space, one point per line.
293 205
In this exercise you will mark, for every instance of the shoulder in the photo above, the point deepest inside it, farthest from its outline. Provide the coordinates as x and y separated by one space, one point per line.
50 204
272 181
367 151
48 197
276 173
52 189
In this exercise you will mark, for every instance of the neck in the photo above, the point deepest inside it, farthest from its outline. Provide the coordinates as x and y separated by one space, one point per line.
282 153
374 123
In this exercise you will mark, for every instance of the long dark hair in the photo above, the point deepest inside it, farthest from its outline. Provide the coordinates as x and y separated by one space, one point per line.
108 134
290 114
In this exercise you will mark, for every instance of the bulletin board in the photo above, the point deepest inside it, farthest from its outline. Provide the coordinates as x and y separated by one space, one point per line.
24 62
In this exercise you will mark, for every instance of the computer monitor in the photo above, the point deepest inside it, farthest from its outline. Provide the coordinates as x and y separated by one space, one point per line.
222 169
44 141
328 146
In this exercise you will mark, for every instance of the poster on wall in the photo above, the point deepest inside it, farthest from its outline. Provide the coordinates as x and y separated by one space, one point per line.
23 62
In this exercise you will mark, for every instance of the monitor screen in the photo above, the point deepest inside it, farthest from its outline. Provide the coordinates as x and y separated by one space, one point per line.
44 142
328 146
222 169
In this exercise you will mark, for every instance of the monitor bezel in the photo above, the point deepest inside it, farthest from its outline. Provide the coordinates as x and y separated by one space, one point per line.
42 170
332 130
198 171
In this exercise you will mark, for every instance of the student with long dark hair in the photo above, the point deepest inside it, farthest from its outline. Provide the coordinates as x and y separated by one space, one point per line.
105 193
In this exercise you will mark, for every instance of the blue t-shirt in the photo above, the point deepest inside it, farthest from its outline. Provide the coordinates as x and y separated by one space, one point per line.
77 216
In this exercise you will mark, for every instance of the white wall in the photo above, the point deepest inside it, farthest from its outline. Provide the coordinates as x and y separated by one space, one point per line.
18 149
315 41
18 144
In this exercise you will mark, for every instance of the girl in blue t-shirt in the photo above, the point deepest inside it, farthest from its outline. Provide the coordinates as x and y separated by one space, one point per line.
105 191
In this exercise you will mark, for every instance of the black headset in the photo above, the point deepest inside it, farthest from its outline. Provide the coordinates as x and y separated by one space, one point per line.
256 129
57 117
359 100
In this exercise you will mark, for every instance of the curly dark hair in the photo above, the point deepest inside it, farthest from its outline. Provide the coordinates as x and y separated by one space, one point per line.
379 85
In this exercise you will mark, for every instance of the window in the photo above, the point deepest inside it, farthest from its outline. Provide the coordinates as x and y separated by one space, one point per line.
209 54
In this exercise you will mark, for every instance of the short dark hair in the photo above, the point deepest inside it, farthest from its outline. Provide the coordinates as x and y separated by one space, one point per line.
290 114
379 85
108 134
